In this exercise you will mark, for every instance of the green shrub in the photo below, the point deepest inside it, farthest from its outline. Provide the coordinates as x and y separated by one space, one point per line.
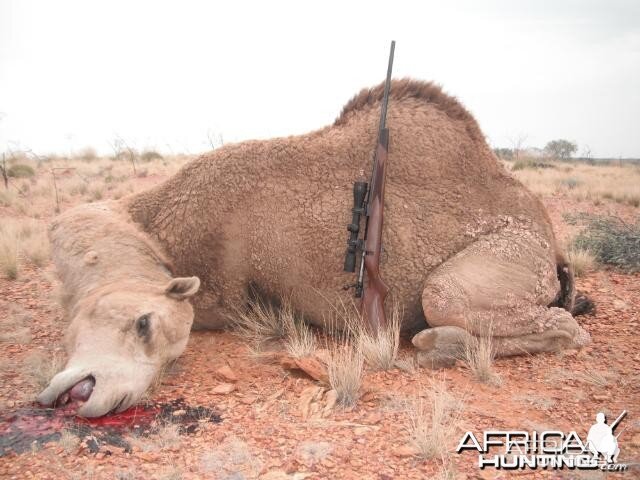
150 155
571 182
612 241
20 170
530 163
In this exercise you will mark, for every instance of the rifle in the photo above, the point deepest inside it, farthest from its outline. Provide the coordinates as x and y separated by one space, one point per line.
368 200
617 421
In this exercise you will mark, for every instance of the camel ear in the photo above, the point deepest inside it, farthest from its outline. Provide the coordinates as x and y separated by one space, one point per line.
182 287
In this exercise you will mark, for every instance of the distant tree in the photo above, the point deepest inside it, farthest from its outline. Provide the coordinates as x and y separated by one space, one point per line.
504 153
561 149
517 142
122 149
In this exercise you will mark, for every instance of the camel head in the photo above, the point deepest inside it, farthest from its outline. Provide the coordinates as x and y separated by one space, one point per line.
119 339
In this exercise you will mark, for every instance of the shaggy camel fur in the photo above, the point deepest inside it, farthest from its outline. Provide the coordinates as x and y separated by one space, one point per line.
467 249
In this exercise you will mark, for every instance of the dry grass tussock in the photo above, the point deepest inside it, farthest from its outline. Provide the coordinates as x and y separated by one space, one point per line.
9 241
595 183
68 440
22 240
380 347
596 378
582 260
166 436
434 421
261 322
479 354
173 473
346 358
300 340
345 367
231 458
258 323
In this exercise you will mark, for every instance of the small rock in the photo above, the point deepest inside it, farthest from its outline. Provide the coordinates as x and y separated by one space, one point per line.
307 402
600 397
374 418
300 475
620 305
328 463
275 475
405 451
312 366
368 395
226 373
361 430
330 399
223 389
179 413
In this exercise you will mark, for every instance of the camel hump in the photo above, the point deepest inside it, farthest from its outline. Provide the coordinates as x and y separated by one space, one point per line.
408 88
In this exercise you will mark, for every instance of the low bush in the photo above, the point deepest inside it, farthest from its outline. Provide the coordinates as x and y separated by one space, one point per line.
150 155
612 241
530 163
20 170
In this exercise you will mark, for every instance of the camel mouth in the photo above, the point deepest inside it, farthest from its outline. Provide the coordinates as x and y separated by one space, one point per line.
76 395
90 389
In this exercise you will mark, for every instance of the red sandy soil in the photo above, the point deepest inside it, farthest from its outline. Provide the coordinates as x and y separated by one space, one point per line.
263 433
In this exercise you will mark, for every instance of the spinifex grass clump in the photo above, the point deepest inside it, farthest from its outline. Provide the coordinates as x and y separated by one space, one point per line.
345 364
582 260
479 353
434 421
345 368
612 241
262 321
380 346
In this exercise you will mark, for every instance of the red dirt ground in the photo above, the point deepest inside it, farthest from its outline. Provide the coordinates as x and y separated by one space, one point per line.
264 435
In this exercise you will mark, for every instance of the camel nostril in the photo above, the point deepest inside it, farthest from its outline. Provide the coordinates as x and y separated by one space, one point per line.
82 390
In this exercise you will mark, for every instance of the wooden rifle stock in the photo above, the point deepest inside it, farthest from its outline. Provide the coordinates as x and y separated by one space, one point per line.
372 306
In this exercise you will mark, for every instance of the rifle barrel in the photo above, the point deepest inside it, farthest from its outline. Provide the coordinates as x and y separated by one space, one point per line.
615 424
383 121
387 86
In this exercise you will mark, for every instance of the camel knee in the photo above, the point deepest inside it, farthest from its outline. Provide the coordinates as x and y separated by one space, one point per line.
442 301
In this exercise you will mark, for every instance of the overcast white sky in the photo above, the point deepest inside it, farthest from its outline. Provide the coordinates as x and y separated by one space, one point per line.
165 74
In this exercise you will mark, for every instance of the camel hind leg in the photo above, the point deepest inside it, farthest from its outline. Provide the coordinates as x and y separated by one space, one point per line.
499 286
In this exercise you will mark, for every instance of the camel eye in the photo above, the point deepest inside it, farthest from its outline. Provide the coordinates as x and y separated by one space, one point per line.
143 325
